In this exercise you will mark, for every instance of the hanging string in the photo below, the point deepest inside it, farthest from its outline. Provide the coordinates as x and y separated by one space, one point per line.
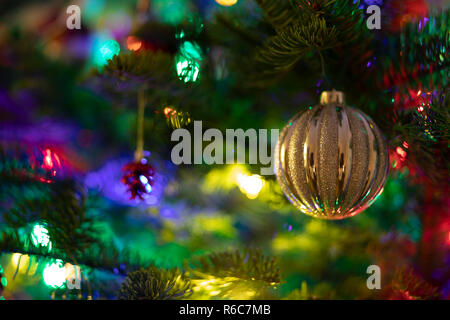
139 154
141 8
325 79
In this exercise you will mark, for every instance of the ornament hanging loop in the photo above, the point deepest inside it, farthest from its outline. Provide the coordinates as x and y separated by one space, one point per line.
332 97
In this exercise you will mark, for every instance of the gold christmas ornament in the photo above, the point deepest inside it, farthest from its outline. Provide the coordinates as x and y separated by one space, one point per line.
331 160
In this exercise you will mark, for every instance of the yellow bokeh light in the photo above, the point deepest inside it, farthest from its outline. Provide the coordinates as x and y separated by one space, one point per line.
250 185
23 263
16 257
227 3
206 224
229 177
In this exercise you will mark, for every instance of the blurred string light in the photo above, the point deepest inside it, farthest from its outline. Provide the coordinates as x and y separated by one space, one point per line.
398 156
231 176
109 49
103 50
3 282
212 224
54 274
92 10
425 116
227 3
306 241
188 61
176 119
20 261
133 43
180 35
191 50
250 185
114 17
171 11
51 161
168 111
187 70
40 236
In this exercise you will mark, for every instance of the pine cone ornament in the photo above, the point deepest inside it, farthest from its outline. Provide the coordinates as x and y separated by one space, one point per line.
139 177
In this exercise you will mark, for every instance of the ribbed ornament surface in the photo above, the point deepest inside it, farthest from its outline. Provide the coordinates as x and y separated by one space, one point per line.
331 161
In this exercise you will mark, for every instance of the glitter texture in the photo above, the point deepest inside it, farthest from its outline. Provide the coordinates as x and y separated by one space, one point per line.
332 161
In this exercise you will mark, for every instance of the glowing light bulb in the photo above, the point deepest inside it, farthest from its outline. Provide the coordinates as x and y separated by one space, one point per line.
250 185
109 49
133 43
23 263
191 50
188 61
16 258
227 3
40 236
172 12
104 51
187 70
54 274
50 161
180 35
401 152
168 111
3 280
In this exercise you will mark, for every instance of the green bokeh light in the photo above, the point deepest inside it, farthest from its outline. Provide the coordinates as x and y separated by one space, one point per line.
188 61
104 50
54 274
187 70
40 236
171 11
109 49
191 50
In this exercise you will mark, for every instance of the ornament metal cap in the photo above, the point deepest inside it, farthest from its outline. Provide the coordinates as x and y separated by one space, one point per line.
332 97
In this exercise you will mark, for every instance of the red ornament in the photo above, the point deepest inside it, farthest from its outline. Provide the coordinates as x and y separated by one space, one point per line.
139 178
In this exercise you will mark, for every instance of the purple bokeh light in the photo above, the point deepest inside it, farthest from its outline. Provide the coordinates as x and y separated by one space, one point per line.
108 180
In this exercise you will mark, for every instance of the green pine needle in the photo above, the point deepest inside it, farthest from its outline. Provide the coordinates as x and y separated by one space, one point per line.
155 284
251 264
